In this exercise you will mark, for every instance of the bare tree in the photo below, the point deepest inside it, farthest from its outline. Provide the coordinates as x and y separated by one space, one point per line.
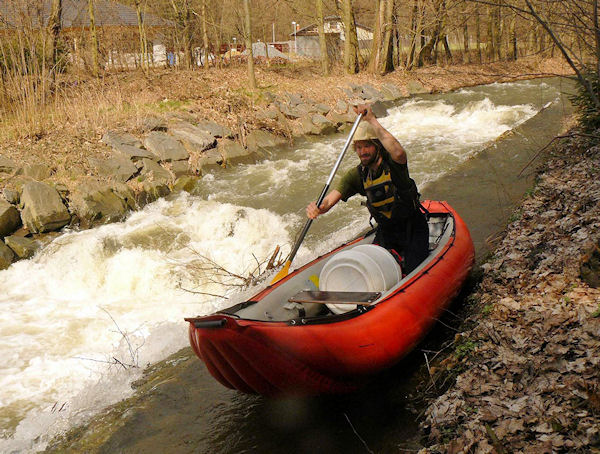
322 40
350 38
142 33
248 38
54 28
94 39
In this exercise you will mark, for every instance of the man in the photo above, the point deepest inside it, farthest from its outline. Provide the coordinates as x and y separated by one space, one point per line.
392 196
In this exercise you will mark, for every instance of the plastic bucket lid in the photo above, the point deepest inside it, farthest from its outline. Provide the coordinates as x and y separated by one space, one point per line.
364 268
388 266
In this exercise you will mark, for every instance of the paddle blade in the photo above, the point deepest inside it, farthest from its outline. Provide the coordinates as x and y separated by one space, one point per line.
283 272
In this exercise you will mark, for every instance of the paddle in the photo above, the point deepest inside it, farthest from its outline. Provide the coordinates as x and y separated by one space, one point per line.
286 267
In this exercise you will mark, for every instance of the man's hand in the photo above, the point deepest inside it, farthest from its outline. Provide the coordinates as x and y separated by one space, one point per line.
312 211
366 110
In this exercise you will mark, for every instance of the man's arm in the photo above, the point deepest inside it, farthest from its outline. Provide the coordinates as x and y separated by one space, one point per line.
389 142
312 211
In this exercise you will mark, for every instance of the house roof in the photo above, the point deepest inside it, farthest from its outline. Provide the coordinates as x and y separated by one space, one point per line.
312 28
34 13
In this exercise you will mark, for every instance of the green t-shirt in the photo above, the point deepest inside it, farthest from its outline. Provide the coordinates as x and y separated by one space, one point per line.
351 184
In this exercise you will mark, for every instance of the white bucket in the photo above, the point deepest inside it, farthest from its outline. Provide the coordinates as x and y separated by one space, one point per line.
364 268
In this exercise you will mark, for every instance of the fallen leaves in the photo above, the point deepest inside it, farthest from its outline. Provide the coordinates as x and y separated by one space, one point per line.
533 382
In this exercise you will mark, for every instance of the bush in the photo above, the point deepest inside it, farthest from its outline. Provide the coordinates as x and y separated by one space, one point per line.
589 114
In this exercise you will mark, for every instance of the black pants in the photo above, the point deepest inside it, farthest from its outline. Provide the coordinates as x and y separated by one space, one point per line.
408 236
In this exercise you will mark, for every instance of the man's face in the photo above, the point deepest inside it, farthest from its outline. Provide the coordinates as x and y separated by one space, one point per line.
366 151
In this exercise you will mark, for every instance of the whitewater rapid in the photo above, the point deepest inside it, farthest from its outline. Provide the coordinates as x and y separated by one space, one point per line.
93 303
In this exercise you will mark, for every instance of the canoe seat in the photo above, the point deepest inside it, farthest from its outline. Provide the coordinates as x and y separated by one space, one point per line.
321 297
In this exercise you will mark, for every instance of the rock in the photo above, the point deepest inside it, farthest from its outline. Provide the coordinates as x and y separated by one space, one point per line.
116 140
231 150
165 147
43 209
210 158
118 167
6 256
11 195
270 113
293 99
339 119
9 218
186 183
296 112
193 138
37 172
151 191
153 124
180 168
96 203
341 106
7 165
259 139
23 247
415 87
214 129
391 92
134 153
155 171
323 109
317 124
124 192
371 93
379 109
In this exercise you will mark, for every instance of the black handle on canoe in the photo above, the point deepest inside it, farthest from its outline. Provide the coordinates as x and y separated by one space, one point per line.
202 324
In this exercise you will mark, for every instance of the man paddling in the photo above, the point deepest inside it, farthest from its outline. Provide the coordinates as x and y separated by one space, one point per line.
392 196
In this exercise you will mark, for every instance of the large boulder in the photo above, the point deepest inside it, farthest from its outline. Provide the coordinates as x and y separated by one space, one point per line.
210 157
23 247
165 147
341 118
390 92
317 124
415 87
95 203
133 153
186 183
155 171
117 167
215 129
151 191
43 208
232 150
117 140
7 165
194 138
180 168
259 139
10 220
37 172
6 256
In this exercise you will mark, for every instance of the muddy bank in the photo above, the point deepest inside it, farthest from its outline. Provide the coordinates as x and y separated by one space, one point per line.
525 367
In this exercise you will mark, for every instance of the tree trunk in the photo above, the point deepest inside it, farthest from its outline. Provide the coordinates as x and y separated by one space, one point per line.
513 37
205 43
491 42
248 37
386 62
437 33
93 39
350 39
54 27
466 57
478 35
377 36
415 26
142 33
322 40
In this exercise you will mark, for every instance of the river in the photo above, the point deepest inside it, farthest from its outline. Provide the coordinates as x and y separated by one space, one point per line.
93 302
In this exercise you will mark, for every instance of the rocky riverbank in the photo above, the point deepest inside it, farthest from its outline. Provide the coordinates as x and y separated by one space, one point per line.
526 366
146 145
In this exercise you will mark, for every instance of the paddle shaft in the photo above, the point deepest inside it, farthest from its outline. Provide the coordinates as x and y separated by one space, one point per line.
325 188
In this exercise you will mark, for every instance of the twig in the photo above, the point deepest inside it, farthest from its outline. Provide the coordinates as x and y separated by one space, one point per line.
566 136
494 439
196 292
357 434
131 352
429 369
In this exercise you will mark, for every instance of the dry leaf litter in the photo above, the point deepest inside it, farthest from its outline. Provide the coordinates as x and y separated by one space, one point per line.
530 383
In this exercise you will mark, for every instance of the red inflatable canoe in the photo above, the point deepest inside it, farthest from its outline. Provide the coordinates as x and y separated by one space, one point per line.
285 340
